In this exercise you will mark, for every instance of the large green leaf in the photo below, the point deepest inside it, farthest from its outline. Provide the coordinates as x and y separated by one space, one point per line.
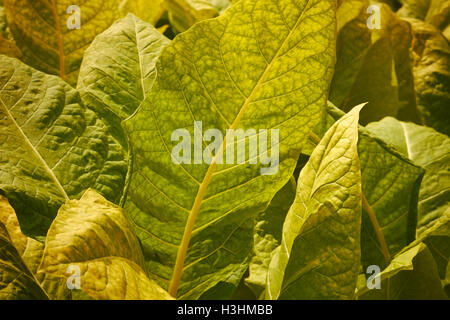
389 87
267 236
319 255
95 236
255 67
390 184
429 149
52 148
432 75
118 70
412 274
16 281
40 28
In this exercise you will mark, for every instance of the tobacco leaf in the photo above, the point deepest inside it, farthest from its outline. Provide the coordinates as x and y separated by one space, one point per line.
429 149
221 5
435 12
388 88
390 184
149 11
16 280
29 249
412 275
436 236
52 147
95 236
118 71
41 31
319 255
432 75
267 236
254 67
185 13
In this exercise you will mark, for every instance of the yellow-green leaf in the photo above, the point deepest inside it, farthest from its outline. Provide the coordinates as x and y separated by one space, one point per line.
432 75
390 184
185 13
319 255
52 147
149 11
118 70
46 31
95 236
429 149
267 236
389 87
411 275
263 64
29 249
16 280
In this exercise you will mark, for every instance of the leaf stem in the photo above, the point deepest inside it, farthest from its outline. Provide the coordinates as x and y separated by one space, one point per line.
62 73
378 231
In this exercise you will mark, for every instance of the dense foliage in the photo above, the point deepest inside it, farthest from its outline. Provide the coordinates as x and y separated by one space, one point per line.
355 96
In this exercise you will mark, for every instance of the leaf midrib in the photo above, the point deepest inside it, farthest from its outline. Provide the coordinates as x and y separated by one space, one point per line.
181 254
35 151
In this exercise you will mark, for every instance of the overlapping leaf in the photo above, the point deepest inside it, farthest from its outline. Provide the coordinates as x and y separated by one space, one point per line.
29 249
51 147
267 236
319 255
118 71
429 149
390 184
149 11
412 274
255 67
432 75
389 87
95 236
16 280
435 12
185 13
42 33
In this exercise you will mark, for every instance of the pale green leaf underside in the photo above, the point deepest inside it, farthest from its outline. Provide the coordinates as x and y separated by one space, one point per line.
319 255
118 70
262 59
52 147
96 236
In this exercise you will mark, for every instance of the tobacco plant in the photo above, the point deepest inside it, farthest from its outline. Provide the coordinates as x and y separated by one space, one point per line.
350 97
